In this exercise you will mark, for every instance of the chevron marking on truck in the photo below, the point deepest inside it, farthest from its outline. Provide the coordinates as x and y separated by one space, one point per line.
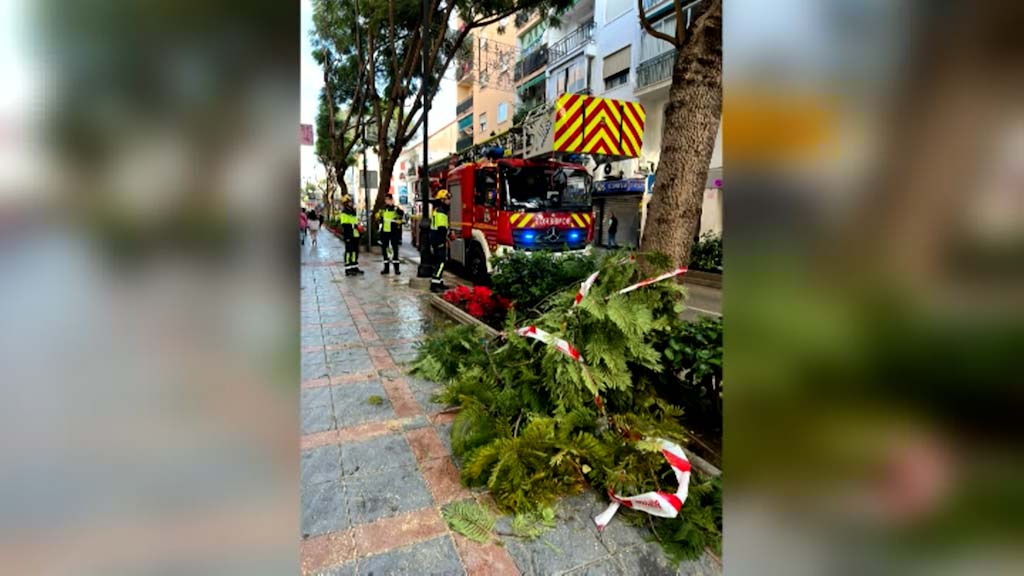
633 119
578 219
568 122
524 220
602 134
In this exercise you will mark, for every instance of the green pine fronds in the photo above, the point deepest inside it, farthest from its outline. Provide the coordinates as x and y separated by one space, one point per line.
532 525
469 519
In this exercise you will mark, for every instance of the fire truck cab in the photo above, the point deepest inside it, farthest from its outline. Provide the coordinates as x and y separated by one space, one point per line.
501 204
528 188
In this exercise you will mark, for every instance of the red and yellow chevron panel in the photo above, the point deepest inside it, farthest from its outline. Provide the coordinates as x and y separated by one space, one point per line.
520 220
581 220
633 119
598 126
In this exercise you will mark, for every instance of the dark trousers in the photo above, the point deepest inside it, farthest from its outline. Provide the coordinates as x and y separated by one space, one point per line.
440 248
351 254
389 247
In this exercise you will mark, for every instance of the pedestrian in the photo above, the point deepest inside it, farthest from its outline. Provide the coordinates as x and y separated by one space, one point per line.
303 223
439 238
350 232
613 227
313 222
390 233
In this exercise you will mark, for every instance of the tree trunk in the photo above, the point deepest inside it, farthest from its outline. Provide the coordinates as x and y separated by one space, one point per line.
386 167
691 124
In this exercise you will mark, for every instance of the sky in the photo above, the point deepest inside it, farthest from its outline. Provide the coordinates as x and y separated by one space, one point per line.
441 113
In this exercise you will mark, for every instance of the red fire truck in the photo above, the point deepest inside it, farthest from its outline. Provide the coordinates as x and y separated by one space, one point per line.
528 189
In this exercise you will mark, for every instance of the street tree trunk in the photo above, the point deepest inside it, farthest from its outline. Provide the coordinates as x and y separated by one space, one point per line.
386 166
691 124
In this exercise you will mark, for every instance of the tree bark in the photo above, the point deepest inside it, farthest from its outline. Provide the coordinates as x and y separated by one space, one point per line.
691 124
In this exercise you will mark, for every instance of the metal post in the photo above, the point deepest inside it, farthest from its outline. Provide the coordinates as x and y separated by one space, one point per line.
366 195
426 267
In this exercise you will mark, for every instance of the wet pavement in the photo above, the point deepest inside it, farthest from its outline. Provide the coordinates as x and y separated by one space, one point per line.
376 464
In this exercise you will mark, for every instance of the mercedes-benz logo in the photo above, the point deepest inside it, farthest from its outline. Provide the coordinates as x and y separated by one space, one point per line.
552 235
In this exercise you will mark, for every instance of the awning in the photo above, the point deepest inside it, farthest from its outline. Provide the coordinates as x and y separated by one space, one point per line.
532 82
616 62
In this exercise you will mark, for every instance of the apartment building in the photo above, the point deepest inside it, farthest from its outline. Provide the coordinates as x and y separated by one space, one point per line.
483 75
441 144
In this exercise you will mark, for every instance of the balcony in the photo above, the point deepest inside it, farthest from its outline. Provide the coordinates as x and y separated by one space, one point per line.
533 61
464 106
463 71
648 4
463 142
655 70
571 42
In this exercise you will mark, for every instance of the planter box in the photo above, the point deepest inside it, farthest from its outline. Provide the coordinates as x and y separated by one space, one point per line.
460 315
710 279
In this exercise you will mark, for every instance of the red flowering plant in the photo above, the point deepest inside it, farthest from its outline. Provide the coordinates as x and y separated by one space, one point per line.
480 302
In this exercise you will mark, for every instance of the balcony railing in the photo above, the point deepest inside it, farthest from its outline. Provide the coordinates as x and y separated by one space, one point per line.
533 61
464 106
655 70
648 4
463 143
572 41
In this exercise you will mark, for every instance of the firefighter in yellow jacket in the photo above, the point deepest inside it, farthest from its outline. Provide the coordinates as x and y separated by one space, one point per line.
390 219
439 238
350 232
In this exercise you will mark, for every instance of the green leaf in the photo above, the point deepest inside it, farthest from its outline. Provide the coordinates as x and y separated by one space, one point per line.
469 519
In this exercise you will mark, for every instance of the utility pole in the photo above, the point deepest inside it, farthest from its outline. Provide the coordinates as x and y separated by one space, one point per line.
366 194
426 267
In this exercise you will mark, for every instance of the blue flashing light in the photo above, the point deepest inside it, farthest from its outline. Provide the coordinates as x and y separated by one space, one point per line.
528 236
574 236
495 152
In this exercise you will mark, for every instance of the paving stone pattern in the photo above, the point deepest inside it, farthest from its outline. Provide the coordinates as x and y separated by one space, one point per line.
375 473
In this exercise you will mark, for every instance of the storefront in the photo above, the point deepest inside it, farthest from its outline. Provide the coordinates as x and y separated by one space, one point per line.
623 198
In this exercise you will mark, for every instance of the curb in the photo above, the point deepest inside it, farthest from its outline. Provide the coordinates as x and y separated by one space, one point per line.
709 279
460 315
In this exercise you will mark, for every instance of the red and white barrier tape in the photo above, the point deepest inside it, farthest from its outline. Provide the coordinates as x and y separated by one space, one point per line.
585 287
562 346
649 281
663 504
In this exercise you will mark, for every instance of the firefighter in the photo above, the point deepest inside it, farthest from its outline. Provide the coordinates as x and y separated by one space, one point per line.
439 237
391 218
350 232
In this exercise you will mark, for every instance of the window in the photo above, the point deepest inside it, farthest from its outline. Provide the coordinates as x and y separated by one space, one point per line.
616 68
616 80
483 121
531 38
502 112
651 46
572 78
616 8
486 187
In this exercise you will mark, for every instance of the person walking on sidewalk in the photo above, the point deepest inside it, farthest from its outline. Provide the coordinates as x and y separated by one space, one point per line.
303 223
350 232
390 233
313 221
439 238
613 227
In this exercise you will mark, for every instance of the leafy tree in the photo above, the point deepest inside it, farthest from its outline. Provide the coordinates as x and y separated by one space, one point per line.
379 43
693 115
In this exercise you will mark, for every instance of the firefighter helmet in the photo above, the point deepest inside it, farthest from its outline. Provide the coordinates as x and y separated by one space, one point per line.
346 199
441 194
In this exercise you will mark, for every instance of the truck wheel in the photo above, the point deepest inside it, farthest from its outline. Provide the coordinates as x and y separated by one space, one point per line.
476 265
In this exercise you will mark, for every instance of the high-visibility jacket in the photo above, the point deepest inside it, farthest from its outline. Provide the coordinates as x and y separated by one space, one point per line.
349 223
439 218
391 216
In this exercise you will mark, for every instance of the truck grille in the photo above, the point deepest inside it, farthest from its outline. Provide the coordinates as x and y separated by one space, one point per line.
553 240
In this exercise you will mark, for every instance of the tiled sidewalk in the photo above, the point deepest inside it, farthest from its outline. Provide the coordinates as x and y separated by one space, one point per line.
376 454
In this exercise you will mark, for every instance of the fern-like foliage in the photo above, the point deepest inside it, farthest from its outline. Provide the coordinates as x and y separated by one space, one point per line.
533 525
469 519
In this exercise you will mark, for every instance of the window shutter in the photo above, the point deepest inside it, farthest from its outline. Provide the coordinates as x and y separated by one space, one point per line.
616 62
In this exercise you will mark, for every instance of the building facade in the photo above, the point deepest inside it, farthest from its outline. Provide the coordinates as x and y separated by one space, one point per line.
483 75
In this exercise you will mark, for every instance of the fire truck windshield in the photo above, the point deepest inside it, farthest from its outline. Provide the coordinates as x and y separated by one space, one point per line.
545 188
